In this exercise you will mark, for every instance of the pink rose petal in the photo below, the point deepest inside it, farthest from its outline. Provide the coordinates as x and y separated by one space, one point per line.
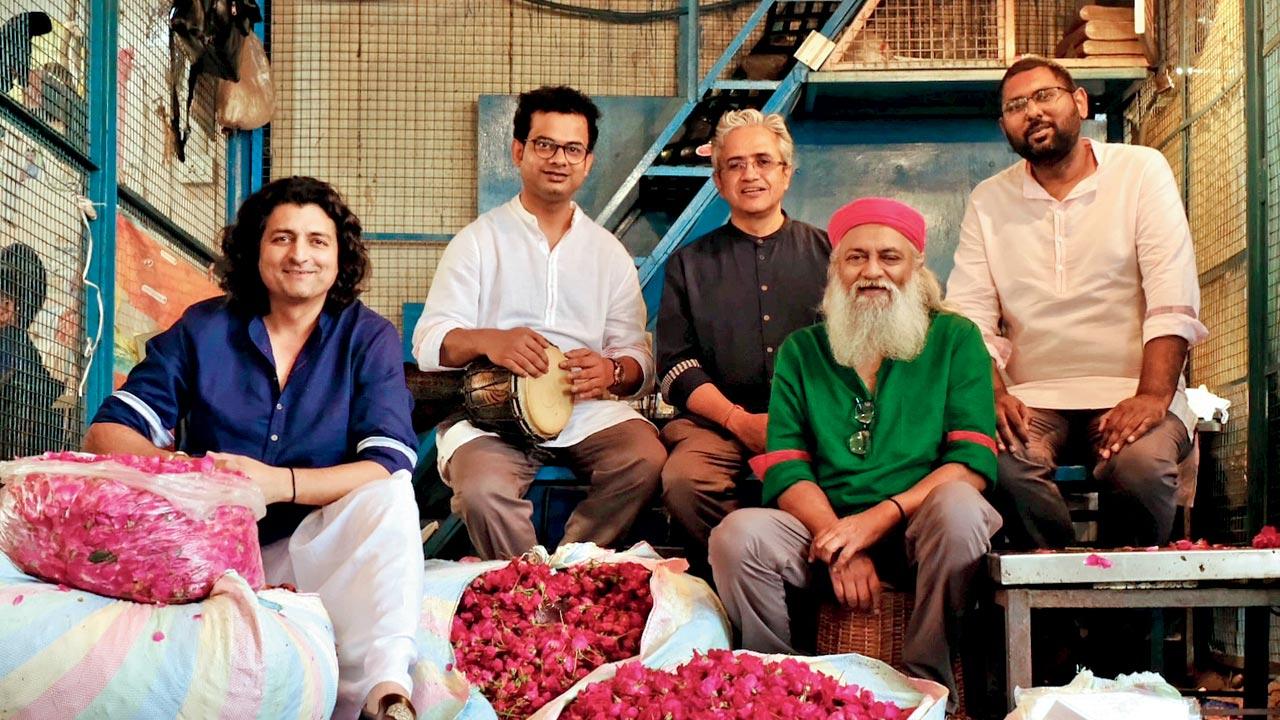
1096 560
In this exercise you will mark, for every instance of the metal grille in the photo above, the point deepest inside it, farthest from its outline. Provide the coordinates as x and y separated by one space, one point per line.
1040 24
401 272
929 33
715 32
192 192
43 62
157 279
395 130
42 248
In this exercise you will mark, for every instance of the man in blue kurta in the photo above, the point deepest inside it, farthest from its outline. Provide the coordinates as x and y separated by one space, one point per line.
881 440
289 379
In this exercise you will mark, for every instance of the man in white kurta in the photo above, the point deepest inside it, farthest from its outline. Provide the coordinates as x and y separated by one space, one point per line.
537 272
1077 265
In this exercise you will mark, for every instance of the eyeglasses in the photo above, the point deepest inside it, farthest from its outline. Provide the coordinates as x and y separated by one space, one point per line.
1043 96
763 163
864 411
546 149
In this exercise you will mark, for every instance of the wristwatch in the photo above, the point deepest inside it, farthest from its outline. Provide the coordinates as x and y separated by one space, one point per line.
618 375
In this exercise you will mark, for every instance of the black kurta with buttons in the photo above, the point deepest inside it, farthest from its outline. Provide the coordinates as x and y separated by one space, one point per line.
728 302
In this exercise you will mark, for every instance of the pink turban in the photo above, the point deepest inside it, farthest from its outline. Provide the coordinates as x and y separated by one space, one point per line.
878 211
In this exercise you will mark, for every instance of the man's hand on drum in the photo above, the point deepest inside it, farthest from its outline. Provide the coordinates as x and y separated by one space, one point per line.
519 350
591 373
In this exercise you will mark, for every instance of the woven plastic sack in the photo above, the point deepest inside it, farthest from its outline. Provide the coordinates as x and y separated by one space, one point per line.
248 104
67 653
686 616
928 698
142 529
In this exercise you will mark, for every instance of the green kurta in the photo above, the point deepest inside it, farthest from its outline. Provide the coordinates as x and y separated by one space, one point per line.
938 408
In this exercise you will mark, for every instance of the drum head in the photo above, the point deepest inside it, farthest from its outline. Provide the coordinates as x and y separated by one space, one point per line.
545 401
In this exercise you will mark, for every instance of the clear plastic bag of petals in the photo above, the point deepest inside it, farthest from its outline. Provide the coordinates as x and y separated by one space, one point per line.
146 529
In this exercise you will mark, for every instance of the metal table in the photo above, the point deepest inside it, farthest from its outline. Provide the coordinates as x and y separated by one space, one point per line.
1236 577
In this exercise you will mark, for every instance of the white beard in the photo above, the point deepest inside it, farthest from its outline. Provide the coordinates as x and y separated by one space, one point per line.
865 329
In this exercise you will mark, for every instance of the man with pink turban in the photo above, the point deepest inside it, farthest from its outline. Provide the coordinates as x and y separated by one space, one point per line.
881 440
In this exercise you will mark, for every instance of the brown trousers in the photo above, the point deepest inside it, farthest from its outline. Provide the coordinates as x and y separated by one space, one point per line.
702 479
1139 482
757 552
490 477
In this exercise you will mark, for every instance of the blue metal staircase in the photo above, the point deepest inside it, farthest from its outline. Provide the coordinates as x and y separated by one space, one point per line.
702 213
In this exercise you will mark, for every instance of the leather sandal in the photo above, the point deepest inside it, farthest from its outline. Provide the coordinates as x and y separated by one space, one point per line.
392 706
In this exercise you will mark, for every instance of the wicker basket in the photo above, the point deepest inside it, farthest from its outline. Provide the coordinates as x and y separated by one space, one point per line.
876 635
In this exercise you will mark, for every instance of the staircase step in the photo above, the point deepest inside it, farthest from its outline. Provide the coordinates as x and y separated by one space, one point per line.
745 85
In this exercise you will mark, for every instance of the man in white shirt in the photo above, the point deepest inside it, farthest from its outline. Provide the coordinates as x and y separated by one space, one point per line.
528 274
1078 267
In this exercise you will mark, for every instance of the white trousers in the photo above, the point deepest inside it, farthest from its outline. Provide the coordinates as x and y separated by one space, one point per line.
363 556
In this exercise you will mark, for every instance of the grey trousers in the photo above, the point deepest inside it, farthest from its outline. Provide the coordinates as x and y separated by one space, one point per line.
757 552
1139 482
701 479
490 477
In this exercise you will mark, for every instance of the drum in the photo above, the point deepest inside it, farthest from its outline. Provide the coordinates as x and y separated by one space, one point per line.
530 409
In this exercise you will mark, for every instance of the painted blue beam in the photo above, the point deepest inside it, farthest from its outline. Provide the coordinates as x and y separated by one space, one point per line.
100 280
244 159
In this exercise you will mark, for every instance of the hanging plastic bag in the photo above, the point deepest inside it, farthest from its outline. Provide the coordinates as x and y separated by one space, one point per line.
136 528
248 104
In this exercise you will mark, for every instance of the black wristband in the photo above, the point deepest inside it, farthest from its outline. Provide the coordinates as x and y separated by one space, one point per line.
902 514
293 480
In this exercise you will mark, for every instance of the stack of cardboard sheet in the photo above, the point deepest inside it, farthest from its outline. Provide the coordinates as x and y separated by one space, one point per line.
1109 31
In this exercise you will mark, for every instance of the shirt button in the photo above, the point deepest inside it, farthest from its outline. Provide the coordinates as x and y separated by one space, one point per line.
769 349
279 406
274 437
764 288
766 318
761 256
1059 268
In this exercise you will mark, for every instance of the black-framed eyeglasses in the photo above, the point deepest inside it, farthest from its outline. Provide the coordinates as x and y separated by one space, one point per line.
546 149
864 412
1043 96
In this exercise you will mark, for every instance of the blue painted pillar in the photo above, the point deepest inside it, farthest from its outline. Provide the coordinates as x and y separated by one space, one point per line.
103 44
245 152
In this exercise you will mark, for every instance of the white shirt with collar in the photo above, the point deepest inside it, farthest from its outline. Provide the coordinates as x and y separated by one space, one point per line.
1068 292
499 272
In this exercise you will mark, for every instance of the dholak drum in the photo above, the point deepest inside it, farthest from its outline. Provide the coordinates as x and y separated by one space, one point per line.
531 409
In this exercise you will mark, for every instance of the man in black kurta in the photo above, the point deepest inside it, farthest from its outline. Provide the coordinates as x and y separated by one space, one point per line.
731 297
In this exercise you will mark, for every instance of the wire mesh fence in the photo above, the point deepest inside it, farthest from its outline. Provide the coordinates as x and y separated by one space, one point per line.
42 250
43 62
190 191
928 34
157 279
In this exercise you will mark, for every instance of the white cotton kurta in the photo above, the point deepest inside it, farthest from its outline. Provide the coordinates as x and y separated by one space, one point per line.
363 556
1068 292
499 272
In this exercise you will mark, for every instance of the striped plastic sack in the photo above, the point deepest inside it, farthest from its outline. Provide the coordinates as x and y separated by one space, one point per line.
686 616
66 653
928 698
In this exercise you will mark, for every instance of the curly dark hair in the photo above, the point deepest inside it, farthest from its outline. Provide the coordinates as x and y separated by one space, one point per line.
241 241
555 99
